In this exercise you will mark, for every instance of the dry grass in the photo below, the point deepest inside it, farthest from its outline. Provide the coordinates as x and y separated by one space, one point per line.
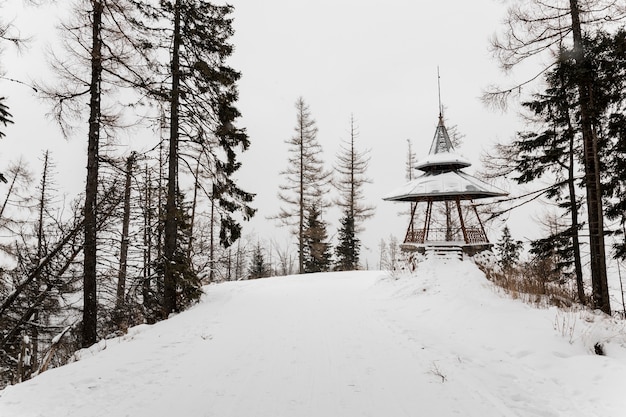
532 283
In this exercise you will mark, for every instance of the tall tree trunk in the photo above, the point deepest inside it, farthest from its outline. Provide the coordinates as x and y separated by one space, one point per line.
147 296
40 254
171 221
578 267
196 185
121 277
90 304
301 202
212 240
592 169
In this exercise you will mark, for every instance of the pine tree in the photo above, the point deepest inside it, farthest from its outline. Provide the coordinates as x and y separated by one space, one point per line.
351 169
533 28
200 96
317 257
348 245
100 57
508 250
305 177
258 268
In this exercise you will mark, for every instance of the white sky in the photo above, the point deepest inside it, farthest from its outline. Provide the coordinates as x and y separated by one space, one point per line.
374 59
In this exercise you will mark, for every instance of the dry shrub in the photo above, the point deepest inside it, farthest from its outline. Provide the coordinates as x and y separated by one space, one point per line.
533 282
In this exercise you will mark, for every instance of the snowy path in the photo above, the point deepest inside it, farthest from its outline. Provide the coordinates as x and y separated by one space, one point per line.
339 344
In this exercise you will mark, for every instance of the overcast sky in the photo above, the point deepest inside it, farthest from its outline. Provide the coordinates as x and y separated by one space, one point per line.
376 60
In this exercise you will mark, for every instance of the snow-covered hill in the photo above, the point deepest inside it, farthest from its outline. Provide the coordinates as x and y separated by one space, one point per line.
443 342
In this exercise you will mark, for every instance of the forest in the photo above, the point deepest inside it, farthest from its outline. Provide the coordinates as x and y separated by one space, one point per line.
151 228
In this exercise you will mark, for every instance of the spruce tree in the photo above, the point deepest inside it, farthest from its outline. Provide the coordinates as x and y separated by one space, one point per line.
200 93
347 250
351 170
317 257
258 268
508 250
536 27
306 180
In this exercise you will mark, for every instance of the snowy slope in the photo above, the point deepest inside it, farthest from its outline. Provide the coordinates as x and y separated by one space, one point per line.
442 342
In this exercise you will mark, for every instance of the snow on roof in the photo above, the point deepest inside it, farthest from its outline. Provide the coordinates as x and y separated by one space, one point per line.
445 186
450 160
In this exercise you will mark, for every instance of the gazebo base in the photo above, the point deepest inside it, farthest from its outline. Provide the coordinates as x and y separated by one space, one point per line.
469 249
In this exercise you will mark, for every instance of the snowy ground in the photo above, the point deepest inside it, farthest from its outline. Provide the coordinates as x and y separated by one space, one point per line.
442 342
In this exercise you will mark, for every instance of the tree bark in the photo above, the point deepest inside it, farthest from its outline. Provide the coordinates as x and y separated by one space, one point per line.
121 276
171 221
591 159
90 304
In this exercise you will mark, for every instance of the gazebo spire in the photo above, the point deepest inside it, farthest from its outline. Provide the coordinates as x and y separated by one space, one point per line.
441 141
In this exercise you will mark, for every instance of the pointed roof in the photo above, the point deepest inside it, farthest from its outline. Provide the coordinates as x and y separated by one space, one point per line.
441 141
442 156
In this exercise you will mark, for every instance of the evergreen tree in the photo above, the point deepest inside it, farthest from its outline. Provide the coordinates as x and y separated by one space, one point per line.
508 250
550 152
187 286
200 95
258 268
351 168
348 245
317 257
536 27
306 179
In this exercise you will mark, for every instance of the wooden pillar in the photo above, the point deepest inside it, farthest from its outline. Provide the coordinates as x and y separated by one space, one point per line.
458 206
429 209
482 228
410 231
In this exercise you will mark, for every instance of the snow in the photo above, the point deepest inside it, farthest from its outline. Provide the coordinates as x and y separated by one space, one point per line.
443 158
440 342
451 183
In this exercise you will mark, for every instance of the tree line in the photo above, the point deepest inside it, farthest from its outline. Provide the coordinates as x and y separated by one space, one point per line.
151 226
139 242
574 141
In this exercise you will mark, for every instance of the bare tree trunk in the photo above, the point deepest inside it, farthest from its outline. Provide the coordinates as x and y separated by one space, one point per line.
147 251
196 185
90 302
40 255
592 170
171 218
301 204
121 277
212 241
10 190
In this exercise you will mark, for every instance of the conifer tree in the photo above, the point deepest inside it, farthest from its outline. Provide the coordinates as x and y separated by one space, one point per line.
508 250
351 169
305 178
537 27
99 59
258 267
348 245
200 93
316 247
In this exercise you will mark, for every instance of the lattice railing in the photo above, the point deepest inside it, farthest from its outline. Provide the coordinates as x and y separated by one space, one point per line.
474 235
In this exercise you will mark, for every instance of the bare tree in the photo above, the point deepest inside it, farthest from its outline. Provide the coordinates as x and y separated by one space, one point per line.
351 168
305 177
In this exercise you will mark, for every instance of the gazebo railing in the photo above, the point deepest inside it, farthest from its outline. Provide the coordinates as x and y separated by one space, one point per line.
474 235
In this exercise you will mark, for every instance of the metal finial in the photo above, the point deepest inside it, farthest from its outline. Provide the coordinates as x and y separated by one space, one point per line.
439 93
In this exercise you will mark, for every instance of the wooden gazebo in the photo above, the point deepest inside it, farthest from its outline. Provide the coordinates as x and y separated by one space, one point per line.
443 214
